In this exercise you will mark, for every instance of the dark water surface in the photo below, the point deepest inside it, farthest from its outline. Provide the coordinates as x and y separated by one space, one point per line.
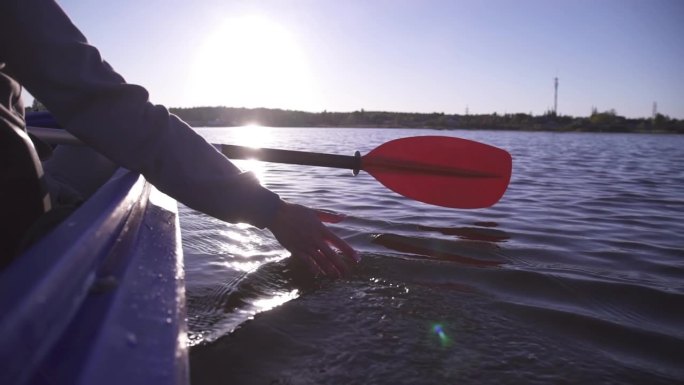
587 284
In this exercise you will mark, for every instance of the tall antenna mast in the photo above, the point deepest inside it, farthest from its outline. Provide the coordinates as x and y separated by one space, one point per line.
555 95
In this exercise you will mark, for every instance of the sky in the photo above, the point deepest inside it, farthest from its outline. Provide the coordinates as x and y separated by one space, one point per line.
453 56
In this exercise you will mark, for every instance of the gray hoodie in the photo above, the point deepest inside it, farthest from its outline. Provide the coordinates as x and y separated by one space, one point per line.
48 55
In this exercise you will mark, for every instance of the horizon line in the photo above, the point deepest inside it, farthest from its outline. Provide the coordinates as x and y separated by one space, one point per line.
363 110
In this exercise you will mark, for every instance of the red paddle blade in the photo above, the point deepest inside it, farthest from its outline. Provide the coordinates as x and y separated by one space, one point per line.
440 170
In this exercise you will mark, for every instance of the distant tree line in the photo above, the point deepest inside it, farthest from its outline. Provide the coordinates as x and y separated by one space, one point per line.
607 121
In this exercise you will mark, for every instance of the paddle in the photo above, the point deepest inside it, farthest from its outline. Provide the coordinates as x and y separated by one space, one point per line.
438 170
445 171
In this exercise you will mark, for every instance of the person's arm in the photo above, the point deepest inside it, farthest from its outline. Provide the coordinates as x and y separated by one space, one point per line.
53 60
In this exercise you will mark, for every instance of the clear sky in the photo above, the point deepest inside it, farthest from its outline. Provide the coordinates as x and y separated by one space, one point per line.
397 55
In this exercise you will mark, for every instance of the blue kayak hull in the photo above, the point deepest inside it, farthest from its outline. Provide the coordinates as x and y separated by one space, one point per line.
101 298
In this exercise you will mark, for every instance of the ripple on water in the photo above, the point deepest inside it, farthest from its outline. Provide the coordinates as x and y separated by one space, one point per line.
575 276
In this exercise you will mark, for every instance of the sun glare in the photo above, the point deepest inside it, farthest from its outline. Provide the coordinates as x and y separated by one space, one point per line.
251 62
254 136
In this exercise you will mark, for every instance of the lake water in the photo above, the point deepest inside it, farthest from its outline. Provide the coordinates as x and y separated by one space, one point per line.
589 285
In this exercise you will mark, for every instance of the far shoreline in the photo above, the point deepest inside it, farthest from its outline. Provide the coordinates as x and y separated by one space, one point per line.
558 131
599 122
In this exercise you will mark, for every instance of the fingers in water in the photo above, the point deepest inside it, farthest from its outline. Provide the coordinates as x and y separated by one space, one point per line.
311 264
330 216
333 258
343 246
326 264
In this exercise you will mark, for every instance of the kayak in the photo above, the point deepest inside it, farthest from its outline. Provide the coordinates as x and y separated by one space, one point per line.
101 298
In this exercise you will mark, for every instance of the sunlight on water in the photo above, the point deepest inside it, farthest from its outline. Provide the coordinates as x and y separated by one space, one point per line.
248 265
574 277
254 136
241 266
240 242
264 304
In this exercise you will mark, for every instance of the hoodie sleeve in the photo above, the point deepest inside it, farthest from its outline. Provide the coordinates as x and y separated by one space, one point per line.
47 54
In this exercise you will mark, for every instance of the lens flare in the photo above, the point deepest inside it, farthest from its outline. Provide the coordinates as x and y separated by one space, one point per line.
444 339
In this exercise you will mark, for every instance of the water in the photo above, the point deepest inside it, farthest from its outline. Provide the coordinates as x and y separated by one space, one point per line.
588 284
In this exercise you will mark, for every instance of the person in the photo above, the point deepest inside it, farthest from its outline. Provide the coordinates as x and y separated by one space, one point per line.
41 49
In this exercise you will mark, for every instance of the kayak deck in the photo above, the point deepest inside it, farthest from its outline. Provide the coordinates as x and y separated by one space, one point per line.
101 298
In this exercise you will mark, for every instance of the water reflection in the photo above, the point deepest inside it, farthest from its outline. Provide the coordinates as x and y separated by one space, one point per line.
240 242
217 310
471 233
276 299
585 268
254 136
465 252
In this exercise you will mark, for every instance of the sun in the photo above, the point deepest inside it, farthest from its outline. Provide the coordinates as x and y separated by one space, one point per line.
251 62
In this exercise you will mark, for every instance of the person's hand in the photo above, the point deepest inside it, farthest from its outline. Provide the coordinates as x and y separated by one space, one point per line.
301 232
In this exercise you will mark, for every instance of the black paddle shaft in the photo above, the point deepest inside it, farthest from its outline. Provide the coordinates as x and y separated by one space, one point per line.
294 157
